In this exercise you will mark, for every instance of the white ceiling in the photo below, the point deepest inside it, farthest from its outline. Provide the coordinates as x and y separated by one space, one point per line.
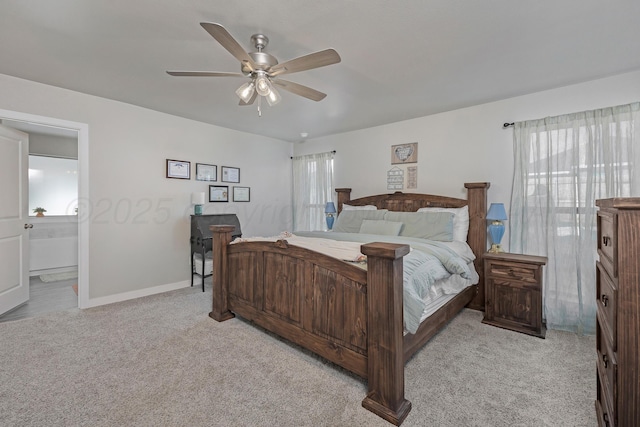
400 59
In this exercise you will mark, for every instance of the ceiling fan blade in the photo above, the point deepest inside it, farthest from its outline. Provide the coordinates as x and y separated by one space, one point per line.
306 62
299 89
227 41
251 100
203 74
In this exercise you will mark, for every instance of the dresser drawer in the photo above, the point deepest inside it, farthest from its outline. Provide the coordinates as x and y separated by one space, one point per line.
607 242
606 302
604 411
513 273
607 366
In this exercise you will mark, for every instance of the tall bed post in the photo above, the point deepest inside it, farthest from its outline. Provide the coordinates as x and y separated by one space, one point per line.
221 239
385 355
477 240
344 195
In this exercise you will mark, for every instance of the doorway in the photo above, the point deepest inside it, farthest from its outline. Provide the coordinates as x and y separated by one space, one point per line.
82 132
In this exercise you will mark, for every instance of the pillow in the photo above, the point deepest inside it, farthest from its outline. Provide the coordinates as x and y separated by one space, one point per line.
346 207
424 225
350 221
381 227
460 221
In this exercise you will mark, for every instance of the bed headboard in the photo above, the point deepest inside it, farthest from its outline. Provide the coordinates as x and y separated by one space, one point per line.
411 202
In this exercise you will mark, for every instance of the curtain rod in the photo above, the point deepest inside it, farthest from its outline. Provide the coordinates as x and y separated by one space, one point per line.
332 152
506 125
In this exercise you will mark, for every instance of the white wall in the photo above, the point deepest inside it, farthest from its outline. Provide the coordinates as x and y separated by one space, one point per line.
139 220
466 145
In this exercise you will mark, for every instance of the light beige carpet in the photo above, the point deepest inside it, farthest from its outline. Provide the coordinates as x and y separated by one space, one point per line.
161 361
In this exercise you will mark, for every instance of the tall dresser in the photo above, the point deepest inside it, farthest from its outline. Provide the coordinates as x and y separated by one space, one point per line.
618 313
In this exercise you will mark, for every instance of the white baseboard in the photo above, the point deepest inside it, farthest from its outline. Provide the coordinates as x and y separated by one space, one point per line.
95 302
53 270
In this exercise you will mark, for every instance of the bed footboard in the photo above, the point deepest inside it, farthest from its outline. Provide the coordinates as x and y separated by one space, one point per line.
341 312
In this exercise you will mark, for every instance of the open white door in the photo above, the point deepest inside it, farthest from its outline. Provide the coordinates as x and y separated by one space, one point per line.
14 218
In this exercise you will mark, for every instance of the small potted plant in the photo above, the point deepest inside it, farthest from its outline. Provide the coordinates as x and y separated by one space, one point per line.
39 211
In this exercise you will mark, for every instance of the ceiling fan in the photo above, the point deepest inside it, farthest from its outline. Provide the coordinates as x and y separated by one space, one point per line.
263 69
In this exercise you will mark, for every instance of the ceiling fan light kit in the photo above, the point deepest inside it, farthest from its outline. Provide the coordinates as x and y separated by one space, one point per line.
245 92
263 69
273 97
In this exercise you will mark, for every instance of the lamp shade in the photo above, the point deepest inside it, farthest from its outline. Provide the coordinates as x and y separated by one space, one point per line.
197 198
330 208
497 212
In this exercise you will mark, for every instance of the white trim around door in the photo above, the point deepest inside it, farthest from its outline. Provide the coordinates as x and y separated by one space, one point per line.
83 190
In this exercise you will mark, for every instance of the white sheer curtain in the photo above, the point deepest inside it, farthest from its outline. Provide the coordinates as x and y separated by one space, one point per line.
562 165
312 189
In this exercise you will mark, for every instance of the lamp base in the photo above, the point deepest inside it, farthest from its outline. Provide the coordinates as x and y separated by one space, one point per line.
495 249
330 220
197 210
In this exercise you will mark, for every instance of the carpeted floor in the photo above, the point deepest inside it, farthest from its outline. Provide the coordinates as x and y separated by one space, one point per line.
160 361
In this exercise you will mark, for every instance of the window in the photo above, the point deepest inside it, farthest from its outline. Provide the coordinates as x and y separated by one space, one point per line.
562 165
312 189
53 185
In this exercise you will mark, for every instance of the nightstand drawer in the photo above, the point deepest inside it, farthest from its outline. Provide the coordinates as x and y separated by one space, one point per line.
521 273
607 241
607 295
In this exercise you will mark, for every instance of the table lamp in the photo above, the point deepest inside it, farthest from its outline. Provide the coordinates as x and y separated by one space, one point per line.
198 200
496 215
330 210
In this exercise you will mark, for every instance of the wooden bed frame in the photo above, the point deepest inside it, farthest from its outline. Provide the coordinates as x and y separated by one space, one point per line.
339 311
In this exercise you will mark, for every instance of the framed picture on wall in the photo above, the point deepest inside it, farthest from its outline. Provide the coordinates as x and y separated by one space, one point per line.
404 153
218 193
241 194
230 174
206 172
178 169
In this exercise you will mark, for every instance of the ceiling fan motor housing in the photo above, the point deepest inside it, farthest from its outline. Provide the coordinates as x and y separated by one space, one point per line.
263 60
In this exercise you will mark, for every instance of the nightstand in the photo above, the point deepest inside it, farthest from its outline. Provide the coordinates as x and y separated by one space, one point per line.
513 292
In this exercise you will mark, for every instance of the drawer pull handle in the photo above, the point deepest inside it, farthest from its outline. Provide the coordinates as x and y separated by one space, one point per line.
606 240
605 361
604 299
